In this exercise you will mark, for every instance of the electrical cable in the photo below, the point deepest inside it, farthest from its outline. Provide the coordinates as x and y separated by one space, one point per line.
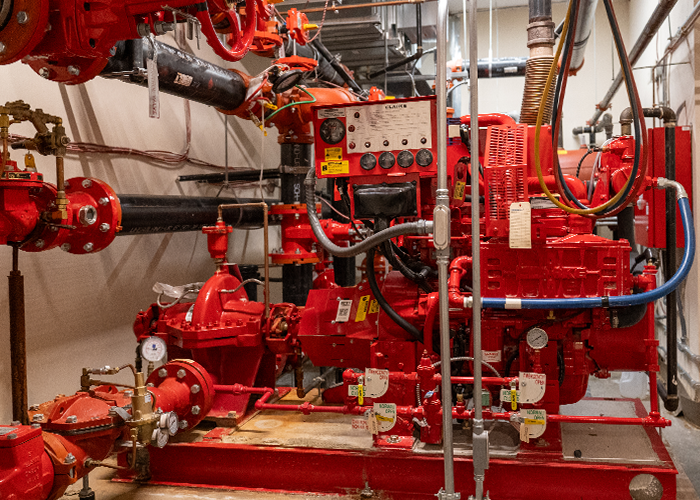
538 128
562 186
395 317
580 162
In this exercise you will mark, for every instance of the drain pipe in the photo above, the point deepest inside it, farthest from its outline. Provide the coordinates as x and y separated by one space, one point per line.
653 24
441 240
480 437
668 116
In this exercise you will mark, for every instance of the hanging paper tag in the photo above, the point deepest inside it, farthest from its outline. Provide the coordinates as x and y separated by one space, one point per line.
385 416
360 424
532 386
534 423
153 87
376 382
372 423
520 235
343 313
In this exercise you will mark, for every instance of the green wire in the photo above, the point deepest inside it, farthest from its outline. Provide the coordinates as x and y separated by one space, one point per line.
268 118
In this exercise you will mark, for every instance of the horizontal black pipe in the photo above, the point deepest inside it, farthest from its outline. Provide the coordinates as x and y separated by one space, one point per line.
179 73
233 176
145 214
494 68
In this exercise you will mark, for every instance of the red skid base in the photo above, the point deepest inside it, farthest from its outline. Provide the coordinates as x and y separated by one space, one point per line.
417 474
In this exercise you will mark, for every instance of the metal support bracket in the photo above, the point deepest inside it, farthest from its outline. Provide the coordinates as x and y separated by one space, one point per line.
442 495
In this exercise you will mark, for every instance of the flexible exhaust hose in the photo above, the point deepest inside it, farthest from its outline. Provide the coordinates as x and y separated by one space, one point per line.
620 300
418 227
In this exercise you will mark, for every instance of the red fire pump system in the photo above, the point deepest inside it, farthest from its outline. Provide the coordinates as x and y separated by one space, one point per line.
481 268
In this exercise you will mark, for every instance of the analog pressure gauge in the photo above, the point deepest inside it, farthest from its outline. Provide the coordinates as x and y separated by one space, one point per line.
153 349
424 157
537 338
368 161
386 160
405 158
332 131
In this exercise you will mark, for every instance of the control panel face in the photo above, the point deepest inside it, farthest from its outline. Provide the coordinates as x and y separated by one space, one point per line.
391 137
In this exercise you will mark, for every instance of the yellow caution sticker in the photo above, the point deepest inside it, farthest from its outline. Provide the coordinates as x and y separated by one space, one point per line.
334 154
459 190
362 308
373 307
335 167
532 416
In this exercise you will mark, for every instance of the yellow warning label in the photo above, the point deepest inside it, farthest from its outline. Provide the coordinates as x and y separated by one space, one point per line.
335 167
334 154
362 308
373 307
533 421
459 190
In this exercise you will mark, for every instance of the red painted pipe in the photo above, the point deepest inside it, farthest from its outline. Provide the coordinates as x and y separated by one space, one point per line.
489 119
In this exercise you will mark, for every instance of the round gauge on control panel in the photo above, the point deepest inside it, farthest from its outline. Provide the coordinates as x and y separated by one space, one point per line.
537 338
424 157
368 161
332 131
386 160
404 158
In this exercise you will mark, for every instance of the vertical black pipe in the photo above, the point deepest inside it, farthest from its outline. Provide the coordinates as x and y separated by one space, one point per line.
671 401
540 9
297 279
343 267
18 341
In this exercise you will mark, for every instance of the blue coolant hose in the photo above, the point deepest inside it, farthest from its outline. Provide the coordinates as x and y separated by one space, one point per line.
621 300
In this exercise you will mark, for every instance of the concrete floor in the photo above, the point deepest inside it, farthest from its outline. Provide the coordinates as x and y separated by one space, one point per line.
682 439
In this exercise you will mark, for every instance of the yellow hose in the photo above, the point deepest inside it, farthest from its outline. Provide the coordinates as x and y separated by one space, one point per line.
538 128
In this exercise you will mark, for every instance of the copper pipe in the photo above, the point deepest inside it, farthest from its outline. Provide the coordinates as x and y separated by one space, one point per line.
265 244
363 5
18 340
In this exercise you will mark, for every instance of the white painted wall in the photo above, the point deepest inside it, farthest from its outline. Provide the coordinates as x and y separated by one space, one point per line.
80 308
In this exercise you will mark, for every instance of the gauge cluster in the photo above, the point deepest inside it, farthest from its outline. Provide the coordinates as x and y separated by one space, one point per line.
391 137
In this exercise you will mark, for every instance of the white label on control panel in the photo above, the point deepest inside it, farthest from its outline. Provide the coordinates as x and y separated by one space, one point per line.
532 386
376 382
520 235
491 356
331 113
385 126
343 314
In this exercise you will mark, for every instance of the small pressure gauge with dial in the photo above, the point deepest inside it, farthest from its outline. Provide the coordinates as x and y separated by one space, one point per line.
153 349
537 338
332 131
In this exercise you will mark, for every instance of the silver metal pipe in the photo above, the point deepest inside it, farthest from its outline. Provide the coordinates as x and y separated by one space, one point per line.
681 34
441 240
584 24
480 438
652 26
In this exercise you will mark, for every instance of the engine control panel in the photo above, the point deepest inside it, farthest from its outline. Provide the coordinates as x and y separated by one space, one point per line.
376 138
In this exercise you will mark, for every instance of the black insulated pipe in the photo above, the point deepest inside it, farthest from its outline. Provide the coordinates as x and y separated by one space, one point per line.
316 44
179 74
146 214
233 176
324 71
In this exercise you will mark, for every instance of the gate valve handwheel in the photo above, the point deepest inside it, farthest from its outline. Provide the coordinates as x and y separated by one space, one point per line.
296 62
298 26
217 239
240 36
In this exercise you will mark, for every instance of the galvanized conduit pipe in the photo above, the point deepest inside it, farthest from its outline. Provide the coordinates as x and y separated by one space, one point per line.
655 20
681 34
668 116
584 25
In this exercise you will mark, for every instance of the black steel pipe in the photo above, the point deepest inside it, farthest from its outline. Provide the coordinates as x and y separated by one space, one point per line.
671 400
316 44
179 73
647 34
146 214
233 176
539 10
18 341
